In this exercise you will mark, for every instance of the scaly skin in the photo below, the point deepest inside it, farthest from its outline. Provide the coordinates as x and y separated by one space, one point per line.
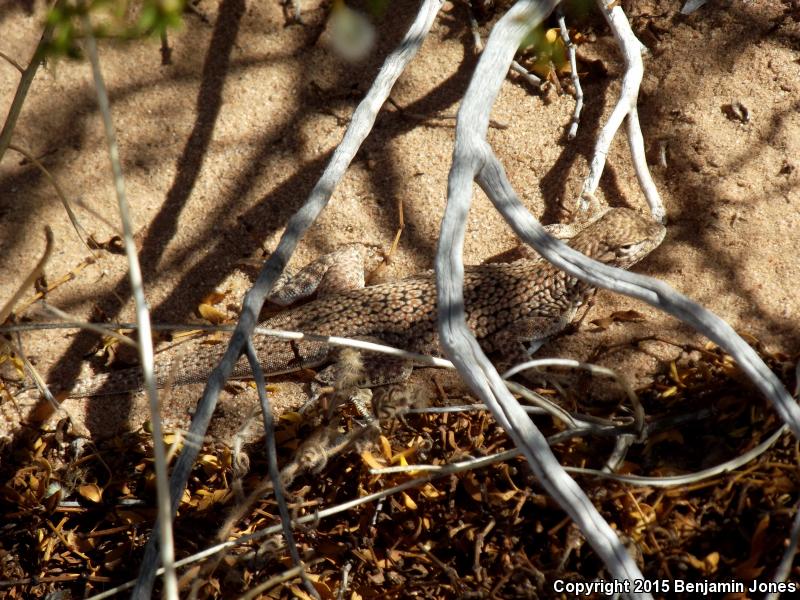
528 299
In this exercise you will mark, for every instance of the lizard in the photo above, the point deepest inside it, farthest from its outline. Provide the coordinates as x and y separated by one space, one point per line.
507 303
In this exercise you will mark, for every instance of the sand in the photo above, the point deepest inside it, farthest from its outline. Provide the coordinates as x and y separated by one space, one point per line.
222 145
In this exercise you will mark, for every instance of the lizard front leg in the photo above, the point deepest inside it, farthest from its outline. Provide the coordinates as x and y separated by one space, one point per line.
532 332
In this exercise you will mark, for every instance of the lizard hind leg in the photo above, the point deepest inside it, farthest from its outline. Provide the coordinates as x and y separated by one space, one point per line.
351 377
519 343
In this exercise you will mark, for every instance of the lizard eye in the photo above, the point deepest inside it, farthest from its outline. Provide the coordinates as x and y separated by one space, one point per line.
629 249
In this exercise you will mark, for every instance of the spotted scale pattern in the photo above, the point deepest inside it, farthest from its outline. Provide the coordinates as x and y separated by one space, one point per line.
525 300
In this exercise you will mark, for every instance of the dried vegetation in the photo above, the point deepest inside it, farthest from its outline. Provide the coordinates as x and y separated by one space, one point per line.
76 516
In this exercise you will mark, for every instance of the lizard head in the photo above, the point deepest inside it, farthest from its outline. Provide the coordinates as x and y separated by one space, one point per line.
620 238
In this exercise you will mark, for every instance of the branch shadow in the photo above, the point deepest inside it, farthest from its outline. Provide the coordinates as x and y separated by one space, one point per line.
222 249
165 223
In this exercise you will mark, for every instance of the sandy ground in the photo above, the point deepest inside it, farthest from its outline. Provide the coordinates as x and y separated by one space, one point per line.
222 145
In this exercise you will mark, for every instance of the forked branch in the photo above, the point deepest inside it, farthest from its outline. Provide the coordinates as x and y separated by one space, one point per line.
360 126
631 49
473 159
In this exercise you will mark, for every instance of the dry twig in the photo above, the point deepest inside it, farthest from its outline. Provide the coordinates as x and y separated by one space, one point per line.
360 126
142 320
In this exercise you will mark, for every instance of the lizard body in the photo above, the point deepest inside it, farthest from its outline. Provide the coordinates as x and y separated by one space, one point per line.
506 303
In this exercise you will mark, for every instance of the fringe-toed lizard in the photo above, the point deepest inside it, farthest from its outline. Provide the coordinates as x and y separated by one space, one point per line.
527 300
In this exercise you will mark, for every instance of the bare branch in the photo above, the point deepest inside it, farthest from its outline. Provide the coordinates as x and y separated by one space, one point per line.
656 293
102 330
471 155
360 126
474 158
59 192
24 85
785 566
287 575
638 410
272 463
142 320
576 80
631 49
526 75
635 480
12 62
316 516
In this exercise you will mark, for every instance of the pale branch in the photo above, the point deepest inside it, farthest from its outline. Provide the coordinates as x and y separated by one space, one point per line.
551 408
634 433
689 478
785 566
17 349
691 6
516 67
435 472
257 590
525 74
272 465
494 181
576 80
142 320
459 408
579 424
500 456
621 446
631 49
33 373
638 410
108 329
345 580
543 406
639 159
472 158
35 273
358 129
316 516
670 481
101 330
469 160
